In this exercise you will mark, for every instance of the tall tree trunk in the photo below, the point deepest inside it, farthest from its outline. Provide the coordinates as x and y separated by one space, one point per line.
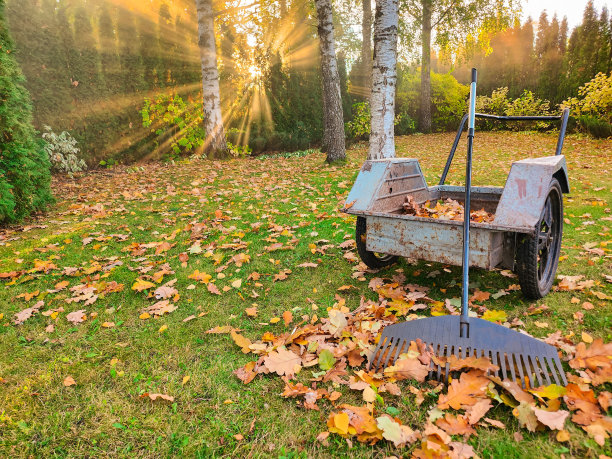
425 112
333 137
384 78
213 120
366 48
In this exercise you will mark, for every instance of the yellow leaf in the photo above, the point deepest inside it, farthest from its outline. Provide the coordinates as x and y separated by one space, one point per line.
186 378
274 320
145 315
587 338
228 402
163 328
495 316
141 285
237 283
114 362
563 435
108 324
341 421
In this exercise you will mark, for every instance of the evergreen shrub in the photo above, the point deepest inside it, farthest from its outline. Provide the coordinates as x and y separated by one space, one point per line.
24 166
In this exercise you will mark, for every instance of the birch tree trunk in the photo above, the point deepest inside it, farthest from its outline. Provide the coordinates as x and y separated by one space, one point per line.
384 78
366 48
333 118
425 111
213 120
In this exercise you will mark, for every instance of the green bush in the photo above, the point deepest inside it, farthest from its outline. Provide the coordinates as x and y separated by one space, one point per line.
598 128
24 166
593 106
498 103
177 127
359 126
448 98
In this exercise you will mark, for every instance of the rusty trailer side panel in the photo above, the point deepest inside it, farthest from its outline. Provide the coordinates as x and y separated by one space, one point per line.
428 240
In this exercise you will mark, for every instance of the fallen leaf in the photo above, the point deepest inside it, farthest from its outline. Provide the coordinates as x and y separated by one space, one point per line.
552 419
283 362
69 381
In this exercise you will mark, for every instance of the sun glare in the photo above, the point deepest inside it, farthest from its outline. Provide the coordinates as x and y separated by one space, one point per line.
255 72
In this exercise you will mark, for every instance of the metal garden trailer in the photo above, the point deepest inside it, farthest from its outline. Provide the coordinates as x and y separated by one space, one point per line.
525 235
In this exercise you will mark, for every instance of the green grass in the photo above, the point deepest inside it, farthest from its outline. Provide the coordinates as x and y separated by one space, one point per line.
296 201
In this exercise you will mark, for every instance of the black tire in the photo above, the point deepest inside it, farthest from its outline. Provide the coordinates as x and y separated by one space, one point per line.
537 257
371 259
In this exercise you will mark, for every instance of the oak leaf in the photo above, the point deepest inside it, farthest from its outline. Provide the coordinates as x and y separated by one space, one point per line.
395 432
554 420
77 317
464 391
283 362
407 368
142 284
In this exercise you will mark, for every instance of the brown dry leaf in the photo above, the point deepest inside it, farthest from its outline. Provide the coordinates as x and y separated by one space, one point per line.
246 373
480 296
212 288
77 317
496 423
455 425
554 420
407 368
154 397
287 317
69 381
455 363
464 391
600 430
526 416
283 362
251 312
478 410
241 341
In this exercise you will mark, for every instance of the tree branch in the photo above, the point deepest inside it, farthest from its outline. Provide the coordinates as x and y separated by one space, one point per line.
235 9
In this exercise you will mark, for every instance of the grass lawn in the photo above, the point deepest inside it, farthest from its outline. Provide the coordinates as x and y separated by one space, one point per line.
231 219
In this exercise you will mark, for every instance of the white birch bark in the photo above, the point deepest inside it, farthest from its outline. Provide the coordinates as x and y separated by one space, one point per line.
333 116
213 119
384 78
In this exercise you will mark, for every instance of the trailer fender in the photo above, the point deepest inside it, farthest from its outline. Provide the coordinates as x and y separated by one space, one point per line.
526 190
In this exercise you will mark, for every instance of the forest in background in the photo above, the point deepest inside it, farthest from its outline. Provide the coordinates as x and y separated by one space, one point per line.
90 65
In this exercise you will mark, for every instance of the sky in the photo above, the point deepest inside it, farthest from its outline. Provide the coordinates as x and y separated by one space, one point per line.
571 8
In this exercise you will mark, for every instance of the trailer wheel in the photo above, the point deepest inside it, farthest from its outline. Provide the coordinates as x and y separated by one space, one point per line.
537 257
373 260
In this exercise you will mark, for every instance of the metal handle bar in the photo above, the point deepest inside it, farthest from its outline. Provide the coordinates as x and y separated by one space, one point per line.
563 117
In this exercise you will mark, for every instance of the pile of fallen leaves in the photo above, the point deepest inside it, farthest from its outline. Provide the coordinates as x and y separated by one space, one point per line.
333 351
445 210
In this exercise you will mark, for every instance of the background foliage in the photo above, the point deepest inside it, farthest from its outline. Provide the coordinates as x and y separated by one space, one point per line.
24 167
91 67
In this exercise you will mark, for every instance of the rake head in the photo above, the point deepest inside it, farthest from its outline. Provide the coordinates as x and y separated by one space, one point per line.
517 355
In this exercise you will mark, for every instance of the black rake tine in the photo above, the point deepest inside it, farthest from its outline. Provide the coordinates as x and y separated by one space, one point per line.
447 365
390 353
536 364
553 370
530 371
519 360
512 365
546 370
502 361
